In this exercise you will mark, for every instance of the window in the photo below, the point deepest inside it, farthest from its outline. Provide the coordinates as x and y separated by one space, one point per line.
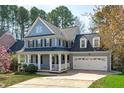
36 42
33 43
48 42
45 42
71 43
83 43
63 57
41 42
63 43
34 59
66 43
59 42
30 44
96 42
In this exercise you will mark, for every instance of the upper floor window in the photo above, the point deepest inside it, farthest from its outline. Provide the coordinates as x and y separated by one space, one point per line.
59 42
83 43
30 43
96 42
39 43
48 42
66 43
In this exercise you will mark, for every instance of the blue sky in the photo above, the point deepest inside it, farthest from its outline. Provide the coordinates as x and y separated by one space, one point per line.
77 10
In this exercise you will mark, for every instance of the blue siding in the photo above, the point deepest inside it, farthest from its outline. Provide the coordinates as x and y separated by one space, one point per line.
43 31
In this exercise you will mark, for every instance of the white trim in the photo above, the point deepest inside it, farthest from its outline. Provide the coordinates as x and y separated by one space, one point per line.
28 59
59 55
85 40
90 52
39 37
50 61
96 38
43 45
35 24
39 60
46 25
30 29
55 40
65 52
66 65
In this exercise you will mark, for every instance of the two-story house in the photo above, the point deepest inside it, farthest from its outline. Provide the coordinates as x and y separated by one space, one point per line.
56 50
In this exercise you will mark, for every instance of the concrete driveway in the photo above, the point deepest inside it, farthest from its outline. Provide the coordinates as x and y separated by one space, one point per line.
70 79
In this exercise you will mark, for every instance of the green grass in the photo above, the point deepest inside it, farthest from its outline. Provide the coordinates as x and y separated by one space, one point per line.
11 78
110 81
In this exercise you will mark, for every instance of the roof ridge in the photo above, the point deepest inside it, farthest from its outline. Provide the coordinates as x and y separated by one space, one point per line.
87 33
69 27
49 22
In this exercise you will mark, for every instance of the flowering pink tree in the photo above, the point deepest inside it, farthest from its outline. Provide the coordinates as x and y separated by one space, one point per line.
5 59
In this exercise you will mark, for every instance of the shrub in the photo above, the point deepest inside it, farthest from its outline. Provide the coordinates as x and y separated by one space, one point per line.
31 68
24 67
14 66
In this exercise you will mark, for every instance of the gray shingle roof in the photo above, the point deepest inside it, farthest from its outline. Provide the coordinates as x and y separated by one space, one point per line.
68 33
71 32
19 44
89 37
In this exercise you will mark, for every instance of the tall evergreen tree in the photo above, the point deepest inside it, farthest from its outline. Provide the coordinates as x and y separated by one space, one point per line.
13 20
23 20
61 17
4 17
35 12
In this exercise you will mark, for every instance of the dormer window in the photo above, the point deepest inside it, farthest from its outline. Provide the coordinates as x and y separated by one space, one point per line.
96 42
83 43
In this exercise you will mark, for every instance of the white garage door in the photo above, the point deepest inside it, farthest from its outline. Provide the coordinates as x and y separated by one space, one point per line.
90 63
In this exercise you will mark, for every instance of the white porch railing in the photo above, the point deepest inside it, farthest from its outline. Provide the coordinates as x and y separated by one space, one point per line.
55 67
68 65
63 66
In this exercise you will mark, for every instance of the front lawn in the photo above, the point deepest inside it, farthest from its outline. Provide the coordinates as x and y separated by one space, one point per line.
110 81
11 78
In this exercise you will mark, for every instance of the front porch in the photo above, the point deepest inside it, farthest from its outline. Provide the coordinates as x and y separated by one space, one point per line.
52 62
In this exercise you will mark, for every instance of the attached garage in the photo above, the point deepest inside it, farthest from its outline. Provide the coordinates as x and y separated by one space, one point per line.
90 62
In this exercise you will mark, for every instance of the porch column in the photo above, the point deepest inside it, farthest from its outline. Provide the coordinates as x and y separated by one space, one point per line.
66 61
28 59
19 58
39 65
25 59
50 61
59 62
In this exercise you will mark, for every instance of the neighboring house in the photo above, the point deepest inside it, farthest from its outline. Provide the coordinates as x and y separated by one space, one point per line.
9 42
56 50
